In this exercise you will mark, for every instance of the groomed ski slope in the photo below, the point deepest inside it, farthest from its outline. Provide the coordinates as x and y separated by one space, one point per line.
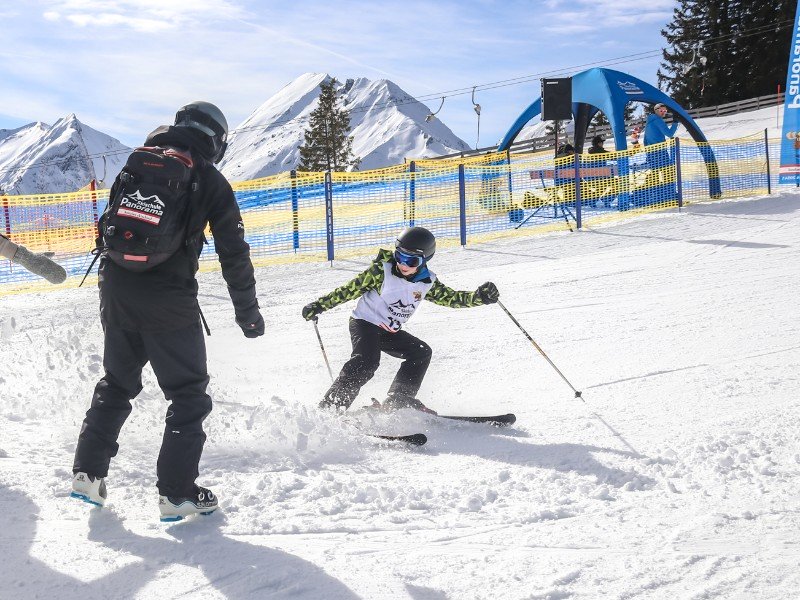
681 329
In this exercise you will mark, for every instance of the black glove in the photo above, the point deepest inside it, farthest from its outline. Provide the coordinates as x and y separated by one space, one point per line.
251 322
488 293
310 311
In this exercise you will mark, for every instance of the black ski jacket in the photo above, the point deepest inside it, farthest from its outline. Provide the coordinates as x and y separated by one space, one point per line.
165 297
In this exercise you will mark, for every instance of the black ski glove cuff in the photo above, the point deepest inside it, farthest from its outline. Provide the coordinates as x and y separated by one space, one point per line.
310 311
488 293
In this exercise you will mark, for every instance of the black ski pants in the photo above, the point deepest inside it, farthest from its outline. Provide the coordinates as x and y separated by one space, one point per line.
368 342
178 359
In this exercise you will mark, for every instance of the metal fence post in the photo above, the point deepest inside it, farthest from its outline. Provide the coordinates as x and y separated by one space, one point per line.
295 212
462 205
93 189
329 213
577 161
6 213
510 190
412 192
766 151
624 201
678 175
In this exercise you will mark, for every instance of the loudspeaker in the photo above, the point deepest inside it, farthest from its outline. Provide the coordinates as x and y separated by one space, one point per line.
557 99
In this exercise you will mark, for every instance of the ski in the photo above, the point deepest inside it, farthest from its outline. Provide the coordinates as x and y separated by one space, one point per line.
415 439
496 420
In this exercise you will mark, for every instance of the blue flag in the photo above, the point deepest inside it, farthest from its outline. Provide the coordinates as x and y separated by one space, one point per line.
790 138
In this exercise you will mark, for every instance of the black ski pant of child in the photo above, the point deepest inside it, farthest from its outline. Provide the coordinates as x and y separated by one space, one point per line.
178 359
368 342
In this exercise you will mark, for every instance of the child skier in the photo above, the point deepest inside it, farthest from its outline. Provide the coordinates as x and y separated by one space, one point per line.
390 290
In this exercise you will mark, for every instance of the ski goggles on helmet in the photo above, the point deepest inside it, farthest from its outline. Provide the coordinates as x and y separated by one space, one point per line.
410 260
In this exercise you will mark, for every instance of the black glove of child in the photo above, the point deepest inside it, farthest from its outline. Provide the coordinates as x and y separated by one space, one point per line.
488 293
310 311
251 322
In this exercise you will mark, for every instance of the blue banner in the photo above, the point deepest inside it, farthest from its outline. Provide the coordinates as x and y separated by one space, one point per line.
790 140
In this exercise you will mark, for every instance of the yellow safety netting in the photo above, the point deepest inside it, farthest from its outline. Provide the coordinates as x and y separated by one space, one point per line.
299 216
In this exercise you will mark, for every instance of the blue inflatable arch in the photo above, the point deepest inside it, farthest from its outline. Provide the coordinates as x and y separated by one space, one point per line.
610 91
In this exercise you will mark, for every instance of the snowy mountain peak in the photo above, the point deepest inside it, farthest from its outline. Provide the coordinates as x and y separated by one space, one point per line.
284 106
64 157
65 127
21 132
387 125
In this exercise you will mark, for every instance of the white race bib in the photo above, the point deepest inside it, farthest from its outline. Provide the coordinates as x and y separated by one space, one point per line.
394 303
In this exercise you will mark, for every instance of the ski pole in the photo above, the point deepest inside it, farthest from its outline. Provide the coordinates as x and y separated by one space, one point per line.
535 345
613 431
321 347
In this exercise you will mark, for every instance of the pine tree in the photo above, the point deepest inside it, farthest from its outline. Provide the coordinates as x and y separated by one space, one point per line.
679 74
774 20
725 50
599 121
327 145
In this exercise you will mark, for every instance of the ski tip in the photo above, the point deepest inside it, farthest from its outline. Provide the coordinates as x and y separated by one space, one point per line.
502 420
509 419
415 439
495 420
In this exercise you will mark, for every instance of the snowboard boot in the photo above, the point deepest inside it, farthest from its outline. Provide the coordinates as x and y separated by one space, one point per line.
398 401
175 508
89 488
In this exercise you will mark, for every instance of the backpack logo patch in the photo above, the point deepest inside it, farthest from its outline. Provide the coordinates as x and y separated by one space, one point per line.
149 209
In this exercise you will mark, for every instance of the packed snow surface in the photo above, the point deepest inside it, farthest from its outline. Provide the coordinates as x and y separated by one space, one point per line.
677 477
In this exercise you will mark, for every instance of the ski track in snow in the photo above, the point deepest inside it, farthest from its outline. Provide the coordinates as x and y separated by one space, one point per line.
677 478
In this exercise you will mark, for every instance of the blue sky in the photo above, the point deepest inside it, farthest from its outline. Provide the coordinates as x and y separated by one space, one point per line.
125 66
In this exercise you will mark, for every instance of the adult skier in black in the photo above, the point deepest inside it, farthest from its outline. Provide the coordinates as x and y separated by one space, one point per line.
153 316
389 292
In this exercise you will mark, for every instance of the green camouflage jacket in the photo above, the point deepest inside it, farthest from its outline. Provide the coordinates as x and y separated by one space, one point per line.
372 279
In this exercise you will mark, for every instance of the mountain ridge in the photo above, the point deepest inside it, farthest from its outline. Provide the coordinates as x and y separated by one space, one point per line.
40 159
387 126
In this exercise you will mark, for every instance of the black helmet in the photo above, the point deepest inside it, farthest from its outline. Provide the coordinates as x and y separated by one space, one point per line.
208 119
418 241
565 149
